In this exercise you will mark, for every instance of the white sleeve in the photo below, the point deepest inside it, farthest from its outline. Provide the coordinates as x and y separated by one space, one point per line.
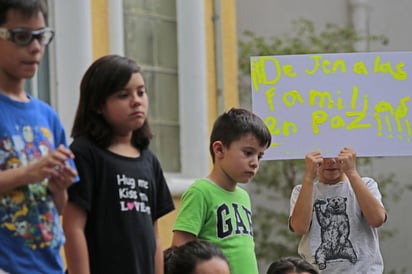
373 188
293 197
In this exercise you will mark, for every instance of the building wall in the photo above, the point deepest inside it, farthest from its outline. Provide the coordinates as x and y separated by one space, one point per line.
273 17
100 28
70 55
270 18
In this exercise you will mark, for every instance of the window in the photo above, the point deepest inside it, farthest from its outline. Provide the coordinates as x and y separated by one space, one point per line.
151 39
39 85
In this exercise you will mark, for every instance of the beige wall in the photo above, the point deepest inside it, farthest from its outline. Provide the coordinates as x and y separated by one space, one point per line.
100 28
166 224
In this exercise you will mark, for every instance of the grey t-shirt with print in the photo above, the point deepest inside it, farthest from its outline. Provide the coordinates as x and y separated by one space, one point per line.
340 240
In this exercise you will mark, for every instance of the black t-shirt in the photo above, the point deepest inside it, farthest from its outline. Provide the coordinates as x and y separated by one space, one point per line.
122 196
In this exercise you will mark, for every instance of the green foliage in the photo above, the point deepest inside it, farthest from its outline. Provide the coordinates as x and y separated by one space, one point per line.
403 271
303 40
274 182
276 179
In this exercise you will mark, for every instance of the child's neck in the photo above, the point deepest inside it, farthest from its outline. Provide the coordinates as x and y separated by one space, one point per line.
222 180
13 89
124 147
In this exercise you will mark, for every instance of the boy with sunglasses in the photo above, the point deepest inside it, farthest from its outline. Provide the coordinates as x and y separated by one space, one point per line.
35 166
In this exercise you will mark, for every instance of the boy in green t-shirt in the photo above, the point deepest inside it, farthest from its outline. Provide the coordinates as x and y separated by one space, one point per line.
215 208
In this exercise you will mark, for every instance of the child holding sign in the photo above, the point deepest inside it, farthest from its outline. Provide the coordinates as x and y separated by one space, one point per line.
338 216
215 208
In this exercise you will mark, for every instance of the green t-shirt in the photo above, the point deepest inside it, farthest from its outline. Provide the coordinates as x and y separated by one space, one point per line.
223 218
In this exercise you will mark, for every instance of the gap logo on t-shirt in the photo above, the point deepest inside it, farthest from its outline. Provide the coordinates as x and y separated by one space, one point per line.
233 219
130 196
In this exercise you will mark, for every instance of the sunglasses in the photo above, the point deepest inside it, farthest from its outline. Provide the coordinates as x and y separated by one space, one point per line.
24 37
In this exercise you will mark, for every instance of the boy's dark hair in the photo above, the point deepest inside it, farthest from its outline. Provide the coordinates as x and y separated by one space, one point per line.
234 124
27 8
287 264
104 77
183 259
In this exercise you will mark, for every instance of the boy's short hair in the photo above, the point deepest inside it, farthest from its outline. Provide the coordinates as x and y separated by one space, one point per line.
183 259
288 264
234 124
27 8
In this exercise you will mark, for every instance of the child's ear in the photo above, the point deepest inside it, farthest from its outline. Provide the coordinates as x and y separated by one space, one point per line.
218 148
